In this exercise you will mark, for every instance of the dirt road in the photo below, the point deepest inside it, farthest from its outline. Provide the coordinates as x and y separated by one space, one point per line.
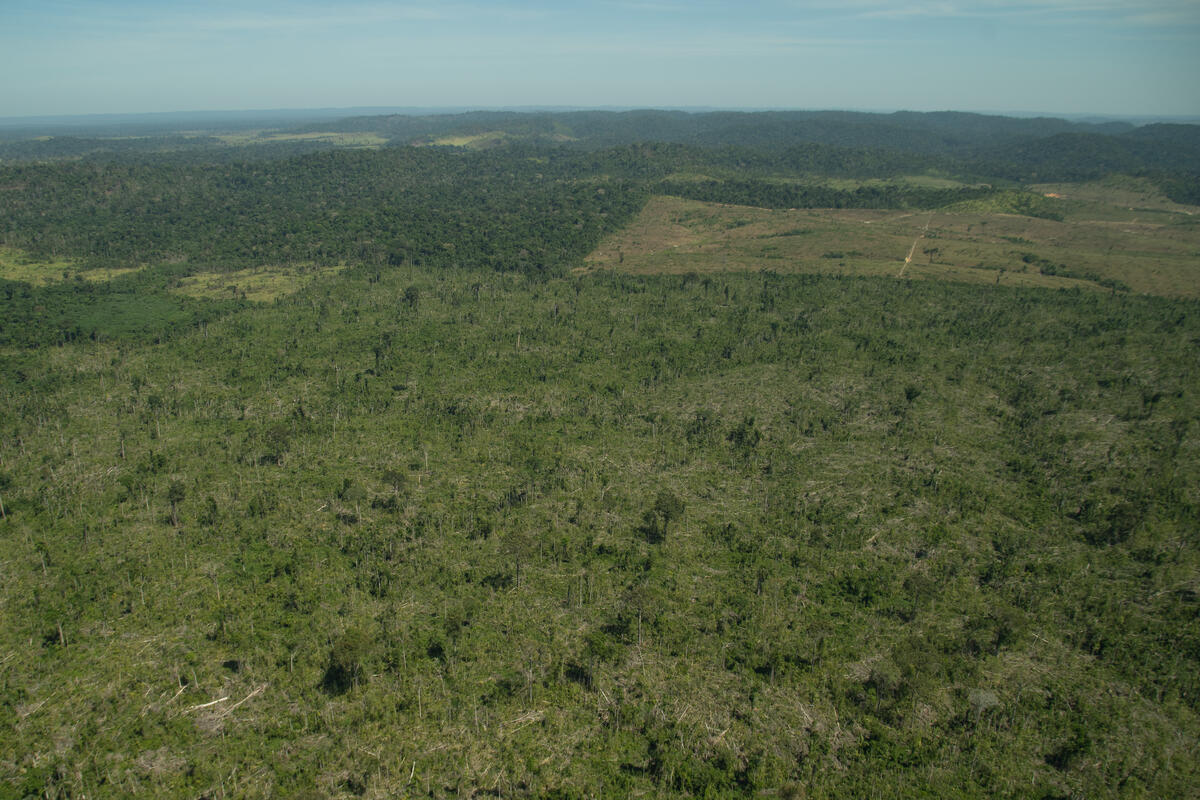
913 249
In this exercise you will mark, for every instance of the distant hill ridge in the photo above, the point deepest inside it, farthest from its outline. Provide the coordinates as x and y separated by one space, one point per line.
944 132
977 147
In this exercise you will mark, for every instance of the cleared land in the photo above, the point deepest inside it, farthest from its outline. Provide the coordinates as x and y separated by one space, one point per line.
336 138
16 265
474 140
482 141
1152 247
260 284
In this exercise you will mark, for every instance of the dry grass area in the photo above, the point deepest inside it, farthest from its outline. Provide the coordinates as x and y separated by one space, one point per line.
1116 196
258 284
1153 248
16 265
481 141
336 138
474 140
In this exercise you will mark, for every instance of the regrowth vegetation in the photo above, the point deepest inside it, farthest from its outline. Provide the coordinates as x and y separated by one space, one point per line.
683 535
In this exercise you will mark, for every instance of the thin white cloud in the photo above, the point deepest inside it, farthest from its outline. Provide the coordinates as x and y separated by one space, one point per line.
1149 13
706 47
266 22
264 17
656 7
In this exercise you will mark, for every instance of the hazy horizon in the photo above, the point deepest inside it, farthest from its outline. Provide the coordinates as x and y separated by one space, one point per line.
1062 58
334 112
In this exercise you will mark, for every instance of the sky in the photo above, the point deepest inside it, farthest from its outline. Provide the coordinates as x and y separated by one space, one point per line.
1059 56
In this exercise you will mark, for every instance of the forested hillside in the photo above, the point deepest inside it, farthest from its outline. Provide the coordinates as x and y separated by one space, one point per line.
936 133
376 472
989 148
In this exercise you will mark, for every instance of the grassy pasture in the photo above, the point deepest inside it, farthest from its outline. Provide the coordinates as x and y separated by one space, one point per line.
1153 248
481 141
15 265
333 137
929 181
1114 198
259 284
486 139
843 184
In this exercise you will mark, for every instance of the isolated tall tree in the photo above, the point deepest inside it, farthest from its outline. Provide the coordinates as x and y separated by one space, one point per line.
666 509
176 493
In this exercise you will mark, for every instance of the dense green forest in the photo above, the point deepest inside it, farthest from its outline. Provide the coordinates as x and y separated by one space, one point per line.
1040 149
457 518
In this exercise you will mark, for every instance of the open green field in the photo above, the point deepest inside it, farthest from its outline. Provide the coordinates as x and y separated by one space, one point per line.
473 140
1154 249
338 139
258 284
16 265
1118 198
845 184
480 141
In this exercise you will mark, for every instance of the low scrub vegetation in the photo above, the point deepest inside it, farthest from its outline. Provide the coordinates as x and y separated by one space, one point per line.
609 534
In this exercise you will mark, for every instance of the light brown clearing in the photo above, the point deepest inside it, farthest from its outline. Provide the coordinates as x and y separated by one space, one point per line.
674 235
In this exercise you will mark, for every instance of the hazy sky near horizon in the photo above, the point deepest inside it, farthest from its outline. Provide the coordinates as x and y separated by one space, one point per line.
1057 56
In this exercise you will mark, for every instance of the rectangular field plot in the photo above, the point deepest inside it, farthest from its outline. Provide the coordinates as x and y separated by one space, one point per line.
259 284
1101 242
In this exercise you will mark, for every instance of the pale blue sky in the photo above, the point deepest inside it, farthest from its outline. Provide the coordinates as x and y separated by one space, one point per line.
1058 56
